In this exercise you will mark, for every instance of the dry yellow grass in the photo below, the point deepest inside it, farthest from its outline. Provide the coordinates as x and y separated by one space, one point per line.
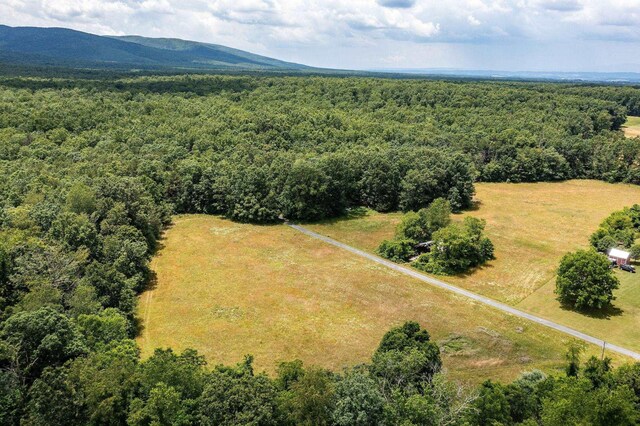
532 226
621 325
632 127
230 289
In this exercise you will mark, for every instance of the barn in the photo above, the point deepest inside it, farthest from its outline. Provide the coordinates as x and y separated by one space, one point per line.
621 257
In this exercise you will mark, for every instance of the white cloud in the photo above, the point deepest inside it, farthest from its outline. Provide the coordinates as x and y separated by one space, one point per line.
473 20
561 5
309 30
156 6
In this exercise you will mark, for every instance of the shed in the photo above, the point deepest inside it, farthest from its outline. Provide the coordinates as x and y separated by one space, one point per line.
424 247
621 257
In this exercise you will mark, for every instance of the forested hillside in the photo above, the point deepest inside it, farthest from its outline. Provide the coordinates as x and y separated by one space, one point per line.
63 47
93 170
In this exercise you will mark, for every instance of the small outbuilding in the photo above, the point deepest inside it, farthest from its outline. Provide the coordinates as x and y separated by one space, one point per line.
621 257
424 247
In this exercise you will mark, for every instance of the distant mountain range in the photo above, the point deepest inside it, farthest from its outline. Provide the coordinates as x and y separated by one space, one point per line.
63 47
604 77
34 48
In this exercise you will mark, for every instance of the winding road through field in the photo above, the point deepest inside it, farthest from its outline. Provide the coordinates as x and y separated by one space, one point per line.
482 299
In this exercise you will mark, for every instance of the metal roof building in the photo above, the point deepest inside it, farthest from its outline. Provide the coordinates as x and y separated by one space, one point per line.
621 257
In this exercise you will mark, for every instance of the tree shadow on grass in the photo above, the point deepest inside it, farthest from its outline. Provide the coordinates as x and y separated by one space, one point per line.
152 281
150 285
159 243
471 271
138 326
605 313
351 214
475 206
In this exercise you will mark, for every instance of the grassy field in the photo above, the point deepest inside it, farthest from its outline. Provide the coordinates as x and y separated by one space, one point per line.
619 325
532 226
632 127
230 289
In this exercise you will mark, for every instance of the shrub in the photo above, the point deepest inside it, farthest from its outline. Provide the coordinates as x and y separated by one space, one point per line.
457 248
397 250
416 227
620 228
602 242
420 226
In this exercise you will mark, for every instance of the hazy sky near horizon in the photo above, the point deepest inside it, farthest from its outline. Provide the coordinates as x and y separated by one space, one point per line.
517 35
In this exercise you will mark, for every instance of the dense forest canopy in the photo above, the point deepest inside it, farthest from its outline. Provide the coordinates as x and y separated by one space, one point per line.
255 148
93 170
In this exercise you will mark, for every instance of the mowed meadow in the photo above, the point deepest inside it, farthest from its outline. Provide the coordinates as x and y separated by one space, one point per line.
230 289
532 225
632 127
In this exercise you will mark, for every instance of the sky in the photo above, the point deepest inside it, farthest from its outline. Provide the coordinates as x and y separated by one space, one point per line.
510 35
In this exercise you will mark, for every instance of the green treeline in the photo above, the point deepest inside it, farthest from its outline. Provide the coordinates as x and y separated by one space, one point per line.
91 172
85 371
307 148
625 96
